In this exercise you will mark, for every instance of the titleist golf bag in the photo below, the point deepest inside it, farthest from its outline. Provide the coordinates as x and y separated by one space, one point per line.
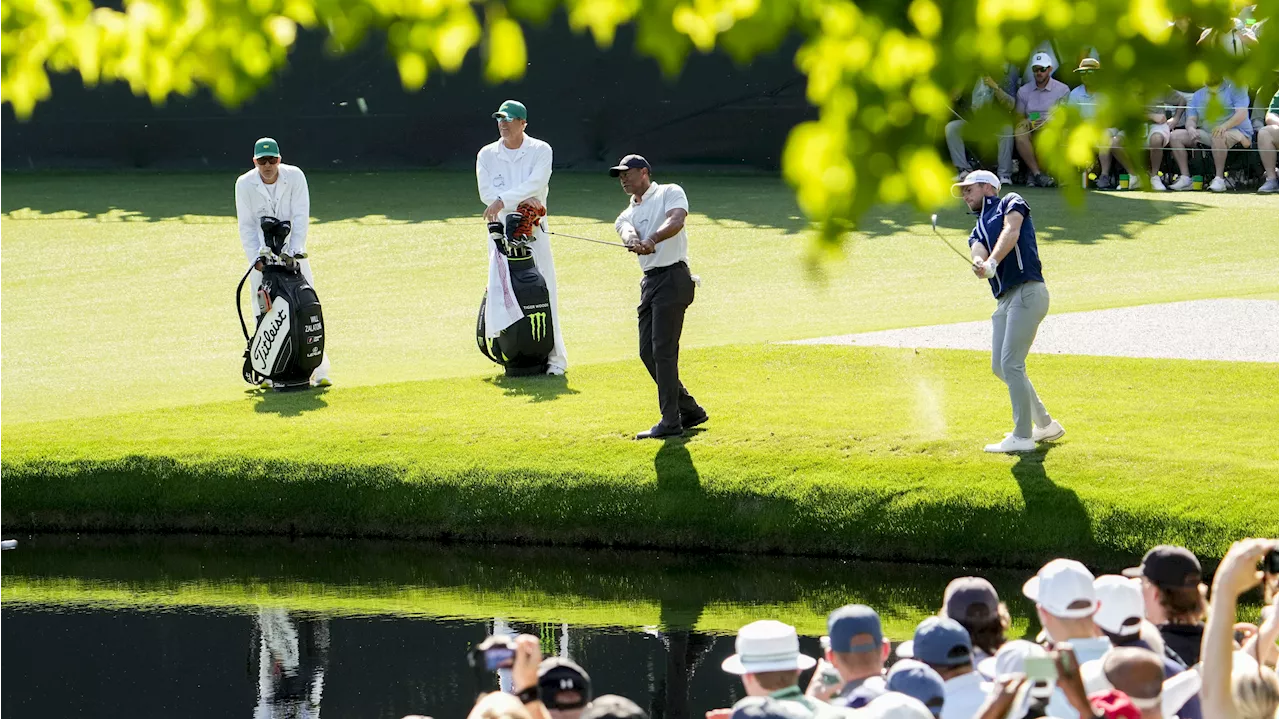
288 341
522 348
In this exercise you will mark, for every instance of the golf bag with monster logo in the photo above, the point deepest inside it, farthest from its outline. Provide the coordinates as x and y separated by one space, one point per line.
288 341
524 347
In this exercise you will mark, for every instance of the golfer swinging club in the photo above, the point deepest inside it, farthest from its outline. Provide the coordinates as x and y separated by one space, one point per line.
652 226
274 189
515 169
1003 248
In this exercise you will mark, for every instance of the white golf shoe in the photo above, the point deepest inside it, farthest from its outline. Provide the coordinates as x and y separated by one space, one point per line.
1010 445
322 382
1157 184
556 371
1218 185
1270 186
1183 183
1048 433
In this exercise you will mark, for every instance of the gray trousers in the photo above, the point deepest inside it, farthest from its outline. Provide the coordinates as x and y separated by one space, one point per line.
955 145
1013 328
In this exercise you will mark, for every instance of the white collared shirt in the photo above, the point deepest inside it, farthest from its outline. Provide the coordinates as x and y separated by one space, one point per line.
514 175
291 200
648 215
964 696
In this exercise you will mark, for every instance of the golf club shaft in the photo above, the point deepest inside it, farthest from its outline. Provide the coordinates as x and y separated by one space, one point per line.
587 239
943 240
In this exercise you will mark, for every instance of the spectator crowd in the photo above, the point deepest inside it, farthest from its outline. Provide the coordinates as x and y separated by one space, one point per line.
1200 128
1151 643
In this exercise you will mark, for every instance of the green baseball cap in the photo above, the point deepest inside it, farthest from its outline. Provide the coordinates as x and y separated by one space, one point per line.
511 110
265 147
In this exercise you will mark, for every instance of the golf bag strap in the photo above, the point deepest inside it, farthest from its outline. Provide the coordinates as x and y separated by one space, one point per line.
239 289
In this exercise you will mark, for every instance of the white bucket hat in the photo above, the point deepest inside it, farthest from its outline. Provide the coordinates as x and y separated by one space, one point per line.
767 646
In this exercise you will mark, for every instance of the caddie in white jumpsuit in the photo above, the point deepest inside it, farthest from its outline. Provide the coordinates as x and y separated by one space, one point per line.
514 169
274 189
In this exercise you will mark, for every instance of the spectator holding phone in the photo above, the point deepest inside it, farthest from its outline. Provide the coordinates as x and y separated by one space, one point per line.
1236 687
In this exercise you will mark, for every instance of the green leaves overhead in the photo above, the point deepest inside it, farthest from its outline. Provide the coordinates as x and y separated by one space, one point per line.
882 73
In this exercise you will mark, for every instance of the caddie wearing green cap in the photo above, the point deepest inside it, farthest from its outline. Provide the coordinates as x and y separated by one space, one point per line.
274 189
512 170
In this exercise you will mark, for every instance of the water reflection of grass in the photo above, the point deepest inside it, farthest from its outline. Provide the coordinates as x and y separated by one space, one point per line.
628 590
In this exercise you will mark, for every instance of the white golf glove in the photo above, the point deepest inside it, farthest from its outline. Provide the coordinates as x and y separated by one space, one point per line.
988 269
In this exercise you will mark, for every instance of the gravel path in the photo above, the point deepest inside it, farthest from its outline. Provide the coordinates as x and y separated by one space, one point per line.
1236 330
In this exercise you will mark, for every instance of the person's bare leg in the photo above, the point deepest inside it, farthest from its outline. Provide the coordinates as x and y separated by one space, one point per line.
1178 143
1155 144
1268 137
1026 150
1219 146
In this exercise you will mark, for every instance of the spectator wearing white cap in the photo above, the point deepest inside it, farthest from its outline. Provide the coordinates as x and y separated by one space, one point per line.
944 645
1085 99
1066 603
973 602
1120 617
1036 101
769 661
858 651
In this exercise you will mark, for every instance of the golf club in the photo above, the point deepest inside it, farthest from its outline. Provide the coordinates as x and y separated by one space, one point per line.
588 239
943 240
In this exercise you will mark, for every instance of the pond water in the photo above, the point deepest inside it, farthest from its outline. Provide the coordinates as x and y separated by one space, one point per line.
232 627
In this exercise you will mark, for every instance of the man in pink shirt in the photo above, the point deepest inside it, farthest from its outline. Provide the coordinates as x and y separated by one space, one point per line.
1036 101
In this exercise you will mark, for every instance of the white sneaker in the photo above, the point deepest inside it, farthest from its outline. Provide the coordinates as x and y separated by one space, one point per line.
1157 184
1218 185
1135 182
1048 433
1183 183
322 382
1011 444
1006 179
557 371
1270 186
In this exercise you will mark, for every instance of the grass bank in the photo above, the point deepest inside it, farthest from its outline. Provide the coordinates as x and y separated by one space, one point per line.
814 450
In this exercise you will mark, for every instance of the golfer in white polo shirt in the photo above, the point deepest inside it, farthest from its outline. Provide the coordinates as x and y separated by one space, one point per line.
652 226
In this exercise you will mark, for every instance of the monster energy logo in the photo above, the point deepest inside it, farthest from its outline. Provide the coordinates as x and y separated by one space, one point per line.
538 322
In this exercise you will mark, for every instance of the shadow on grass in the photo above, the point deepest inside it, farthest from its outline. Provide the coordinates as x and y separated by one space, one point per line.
1050 506
674 465
290 404
1101 216
535 388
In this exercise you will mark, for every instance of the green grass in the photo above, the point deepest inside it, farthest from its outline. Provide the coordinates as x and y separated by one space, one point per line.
123 408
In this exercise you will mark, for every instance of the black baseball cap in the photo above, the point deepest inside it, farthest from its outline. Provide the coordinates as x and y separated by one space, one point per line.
630 162
612 706
558 674
1168 567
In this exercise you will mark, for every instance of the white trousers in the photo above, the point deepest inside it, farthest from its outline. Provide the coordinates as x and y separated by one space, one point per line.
255 282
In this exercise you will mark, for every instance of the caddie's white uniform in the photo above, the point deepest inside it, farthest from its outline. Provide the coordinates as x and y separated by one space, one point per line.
285 199
517 175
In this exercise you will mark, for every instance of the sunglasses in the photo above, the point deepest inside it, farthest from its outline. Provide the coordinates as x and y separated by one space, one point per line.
1040 69
267 160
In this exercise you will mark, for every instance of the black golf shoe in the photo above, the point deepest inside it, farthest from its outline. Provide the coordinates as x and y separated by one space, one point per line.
658 431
